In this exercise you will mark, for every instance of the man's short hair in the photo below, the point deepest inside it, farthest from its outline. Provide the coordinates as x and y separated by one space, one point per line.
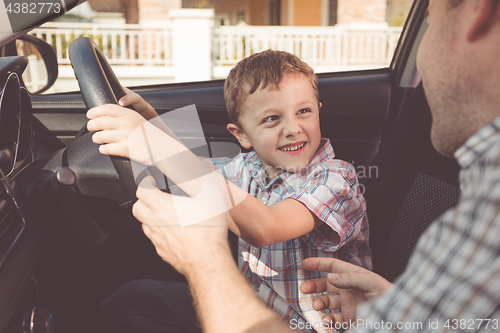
259 71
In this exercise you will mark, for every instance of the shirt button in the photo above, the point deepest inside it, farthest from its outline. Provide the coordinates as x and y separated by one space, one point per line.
262 197
254 251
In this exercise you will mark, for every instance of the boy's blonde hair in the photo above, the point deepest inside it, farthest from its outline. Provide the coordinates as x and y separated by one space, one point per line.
259 71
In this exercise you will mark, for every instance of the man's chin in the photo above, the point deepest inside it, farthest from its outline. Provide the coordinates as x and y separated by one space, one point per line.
443 147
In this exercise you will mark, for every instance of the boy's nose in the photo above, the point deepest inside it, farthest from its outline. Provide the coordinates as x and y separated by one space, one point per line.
292 128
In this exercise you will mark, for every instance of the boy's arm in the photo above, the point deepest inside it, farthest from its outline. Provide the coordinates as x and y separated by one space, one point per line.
328 200
260 225
145 110
124 132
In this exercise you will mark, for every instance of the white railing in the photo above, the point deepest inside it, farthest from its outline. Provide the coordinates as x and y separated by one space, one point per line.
125 44
183 49
320 46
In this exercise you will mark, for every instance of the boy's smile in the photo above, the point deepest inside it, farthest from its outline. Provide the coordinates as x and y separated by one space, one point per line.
282 125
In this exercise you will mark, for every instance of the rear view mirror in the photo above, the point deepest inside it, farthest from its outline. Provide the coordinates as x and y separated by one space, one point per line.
42 69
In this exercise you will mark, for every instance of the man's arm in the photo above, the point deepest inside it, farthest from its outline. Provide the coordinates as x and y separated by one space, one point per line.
224 300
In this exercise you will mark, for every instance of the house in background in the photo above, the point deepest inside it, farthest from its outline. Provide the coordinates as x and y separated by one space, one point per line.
265 12
305 12
137 11
146 39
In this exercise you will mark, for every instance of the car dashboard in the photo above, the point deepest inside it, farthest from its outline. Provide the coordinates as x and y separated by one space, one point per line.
21 237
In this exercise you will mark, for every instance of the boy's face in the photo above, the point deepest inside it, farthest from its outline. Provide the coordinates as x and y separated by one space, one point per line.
281 125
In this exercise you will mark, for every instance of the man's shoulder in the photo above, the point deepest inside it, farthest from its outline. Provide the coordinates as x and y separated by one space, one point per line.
492 153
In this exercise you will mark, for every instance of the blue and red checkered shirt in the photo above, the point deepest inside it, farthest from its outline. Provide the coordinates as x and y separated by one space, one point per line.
329 188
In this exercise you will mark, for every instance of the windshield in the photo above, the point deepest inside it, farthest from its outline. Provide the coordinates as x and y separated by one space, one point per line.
157 42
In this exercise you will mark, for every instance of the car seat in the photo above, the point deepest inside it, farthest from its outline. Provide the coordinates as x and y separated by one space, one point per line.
413 186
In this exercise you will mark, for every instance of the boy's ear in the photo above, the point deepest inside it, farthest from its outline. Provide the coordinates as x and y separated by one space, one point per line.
240 135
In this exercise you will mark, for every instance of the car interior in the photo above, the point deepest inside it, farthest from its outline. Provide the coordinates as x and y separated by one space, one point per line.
67 236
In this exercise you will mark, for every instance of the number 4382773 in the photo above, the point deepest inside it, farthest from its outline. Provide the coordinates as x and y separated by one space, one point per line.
471 324
33 8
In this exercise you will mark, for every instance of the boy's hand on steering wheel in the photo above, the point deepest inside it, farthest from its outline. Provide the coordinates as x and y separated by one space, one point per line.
138 103
124 132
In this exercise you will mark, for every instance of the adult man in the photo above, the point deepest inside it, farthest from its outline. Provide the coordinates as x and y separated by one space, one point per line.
452 280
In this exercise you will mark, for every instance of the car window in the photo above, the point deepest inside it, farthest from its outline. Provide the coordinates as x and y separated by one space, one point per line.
154 42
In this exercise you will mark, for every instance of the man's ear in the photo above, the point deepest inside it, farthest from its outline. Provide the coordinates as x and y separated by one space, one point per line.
485 15
240 135
320 105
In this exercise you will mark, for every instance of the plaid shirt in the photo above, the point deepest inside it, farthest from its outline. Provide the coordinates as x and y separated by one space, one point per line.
328 188
453 278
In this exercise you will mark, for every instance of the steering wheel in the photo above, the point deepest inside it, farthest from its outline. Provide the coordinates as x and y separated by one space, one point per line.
99 86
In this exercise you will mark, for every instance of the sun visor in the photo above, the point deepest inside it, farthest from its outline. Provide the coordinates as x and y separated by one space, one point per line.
17 17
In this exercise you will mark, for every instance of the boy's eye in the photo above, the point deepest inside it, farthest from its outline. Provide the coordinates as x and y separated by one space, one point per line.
304 110
269 119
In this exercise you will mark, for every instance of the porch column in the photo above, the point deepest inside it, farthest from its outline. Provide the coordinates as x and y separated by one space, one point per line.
192 43
362 11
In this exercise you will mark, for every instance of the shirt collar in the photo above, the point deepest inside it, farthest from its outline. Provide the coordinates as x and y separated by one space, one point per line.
478 143
324 152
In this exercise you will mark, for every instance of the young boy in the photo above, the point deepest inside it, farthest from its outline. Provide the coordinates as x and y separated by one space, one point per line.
301 202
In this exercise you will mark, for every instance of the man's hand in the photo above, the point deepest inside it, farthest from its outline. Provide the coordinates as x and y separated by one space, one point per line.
182 247
347 286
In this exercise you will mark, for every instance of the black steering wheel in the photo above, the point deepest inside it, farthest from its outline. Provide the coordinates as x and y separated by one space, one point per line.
99 86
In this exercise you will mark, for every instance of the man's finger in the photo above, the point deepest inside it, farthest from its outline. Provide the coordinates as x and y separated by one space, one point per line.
148 192
147 231
141 211
151 195
362 281
317 286
330 265
337 317
327 301
328 318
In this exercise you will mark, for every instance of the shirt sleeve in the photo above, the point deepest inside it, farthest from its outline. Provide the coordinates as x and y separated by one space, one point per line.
331 192
233 169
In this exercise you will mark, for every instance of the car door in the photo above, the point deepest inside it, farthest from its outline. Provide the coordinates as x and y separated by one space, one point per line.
358 106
